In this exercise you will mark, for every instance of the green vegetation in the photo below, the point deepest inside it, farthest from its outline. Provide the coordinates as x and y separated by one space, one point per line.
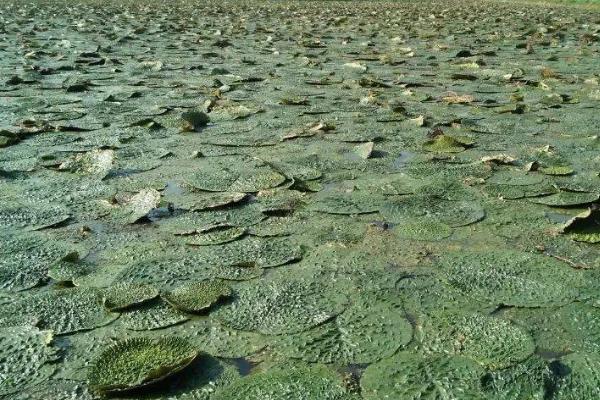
299 200
133 363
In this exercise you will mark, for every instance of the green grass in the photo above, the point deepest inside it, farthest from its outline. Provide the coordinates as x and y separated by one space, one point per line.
574 1
584 3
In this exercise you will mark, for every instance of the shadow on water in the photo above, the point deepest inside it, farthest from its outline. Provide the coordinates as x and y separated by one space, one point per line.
243 365
401 161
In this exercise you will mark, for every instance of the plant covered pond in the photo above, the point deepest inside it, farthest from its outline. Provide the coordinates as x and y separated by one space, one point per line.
299 201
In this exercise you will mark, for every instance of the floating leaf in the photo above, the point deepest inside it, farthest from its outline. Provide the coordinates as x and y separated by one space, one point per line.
510 277
372 328
125 295
216 236
63 311
288 381
68 270
446 144
31 217
294 100
515 178
26 259
581 380
355 202
234 174
139 205
492 342
152 315
220 341
138 362
28 358
427 229
260 252
56 389
96 162
502 159
557 170
364 150
451 213
206 201
413 376
229 112
280 307
530 380
571 328
356 66
584 227
567 199
453 98
197 296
